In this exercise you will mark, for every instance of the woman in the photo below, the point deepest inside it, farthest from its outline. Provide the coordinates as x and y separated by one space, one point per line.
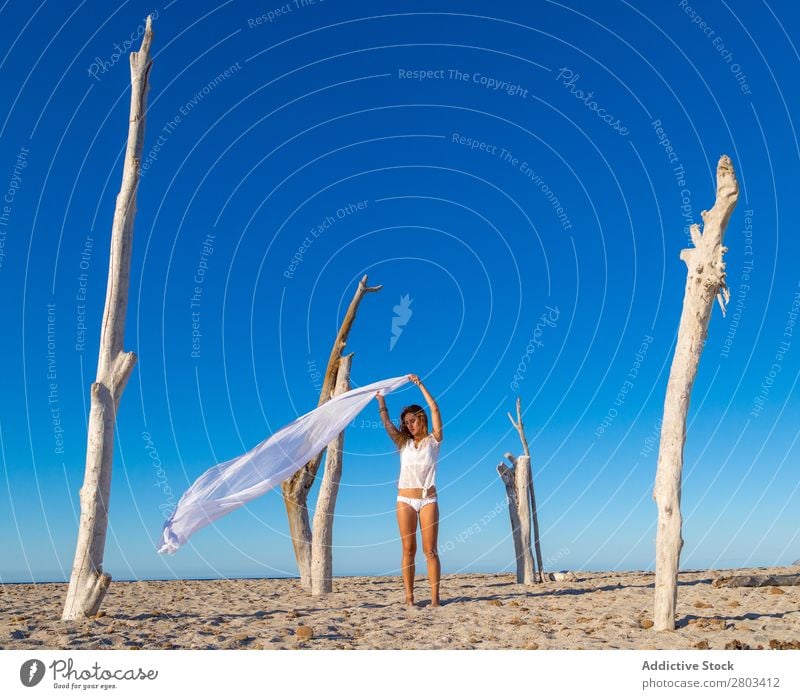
416 494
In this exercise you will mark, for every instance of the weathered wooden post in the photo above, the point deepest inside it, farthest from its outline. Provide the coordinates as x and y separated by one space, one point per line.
522 477
88 583
508 477
705 280
526 450
322 537
516 481
295 489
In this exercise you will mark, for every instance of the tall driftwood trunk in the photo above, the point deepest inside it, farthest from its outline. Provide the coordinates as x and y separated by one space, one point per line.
516 481
507 476
88 583
521 479
705 280
300 531
322 536
295 489
520 427
536 540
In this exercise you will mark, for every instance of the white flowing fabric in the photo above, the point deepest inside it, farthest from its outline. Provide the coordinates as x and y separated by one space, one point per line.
233 483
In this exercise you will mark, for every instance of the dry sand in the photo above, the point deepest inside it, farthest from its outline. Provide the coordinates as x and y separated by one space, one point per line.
597 611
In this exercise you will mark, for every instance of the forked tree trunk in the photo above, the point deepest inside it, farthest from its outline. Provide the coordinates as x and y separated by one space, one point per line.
507 476
705 280
516 481
526 450
295 489
322 536
88 583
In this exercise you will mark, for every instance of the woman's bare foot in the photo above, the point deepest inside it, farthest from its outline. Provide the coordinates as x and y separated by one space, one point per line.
409 602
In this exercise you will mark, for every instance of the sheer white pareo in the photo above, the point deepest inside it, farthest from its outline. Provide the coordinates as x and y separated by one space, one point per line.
233 483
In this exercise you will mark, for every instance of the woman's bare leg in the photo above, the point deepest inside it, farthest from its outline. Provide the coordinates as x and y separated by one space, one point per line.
407 520
429 526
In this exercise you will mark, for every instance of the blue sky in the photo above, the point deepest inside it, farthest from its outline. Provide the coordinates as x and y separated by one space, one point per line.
524 172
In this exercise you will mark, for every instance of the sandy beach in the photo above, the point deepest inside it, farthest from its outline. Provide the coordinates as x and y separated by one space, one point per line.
594 611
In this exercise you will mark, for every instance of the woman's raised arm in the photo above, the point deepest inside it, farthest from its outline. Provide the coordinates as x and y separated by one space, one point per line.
391 430
436 417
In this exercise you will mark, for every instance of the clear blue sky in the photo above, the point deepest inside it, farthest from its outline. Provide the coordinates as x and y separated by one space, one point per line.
494 189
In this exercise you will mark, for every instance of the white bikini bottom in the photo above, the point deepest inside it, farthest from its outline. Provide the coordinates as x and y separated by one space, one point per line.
416 503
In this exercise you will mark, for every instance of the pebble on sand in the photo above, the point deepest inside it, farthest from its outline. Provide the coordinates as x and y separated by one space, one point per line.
304 633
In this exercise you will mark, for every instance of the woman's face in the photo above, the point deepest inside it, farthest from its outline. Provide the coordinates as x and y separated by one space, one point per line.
413 424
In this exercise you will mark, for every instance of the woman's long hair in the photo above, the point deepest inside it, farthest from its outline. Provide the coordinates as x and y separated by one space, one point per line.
419 412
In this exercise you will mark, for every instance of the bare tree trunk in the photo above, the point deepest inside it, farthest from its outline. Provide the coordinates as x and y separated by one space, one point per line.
507 476
517 480
520 428
526 450
322 538
300 531
705 279
536 542
521 479
295 489
88 583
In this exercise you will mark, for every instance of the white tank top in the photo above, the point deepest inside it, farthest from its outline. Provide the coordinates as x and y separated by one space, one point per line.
418 464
